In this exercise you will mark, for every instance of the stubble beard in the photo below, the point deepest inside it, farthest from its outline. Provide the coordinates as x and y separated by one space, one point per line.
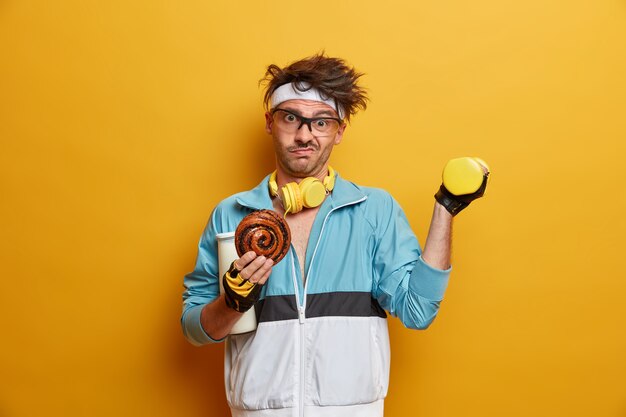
304 166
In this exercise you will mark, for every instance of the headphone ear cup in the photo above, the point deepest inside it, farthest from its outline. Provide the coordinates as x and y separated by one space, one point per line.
313 192
291 197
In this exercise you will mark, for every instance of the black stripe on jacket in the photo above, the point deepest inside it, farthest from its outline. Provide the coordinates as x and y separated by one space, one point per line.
346 304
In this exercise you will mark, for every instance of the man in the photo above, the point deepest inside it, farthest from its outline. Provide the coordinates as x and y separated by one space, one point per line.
321 347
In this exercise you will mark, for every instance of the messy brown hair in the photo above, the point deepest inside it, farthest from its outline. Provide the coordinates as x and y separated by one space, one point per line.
332 77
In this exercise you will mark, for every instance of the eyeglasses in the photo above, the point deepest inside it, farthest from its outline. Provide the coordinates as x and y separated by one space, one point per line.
290 122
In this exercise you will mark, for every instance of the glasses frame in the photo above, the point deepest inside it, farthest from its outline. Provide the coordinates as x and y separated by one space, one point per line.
308 120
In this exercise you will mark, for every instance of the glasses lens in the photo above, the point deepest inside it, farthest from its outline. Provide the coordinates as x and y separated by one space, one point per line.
325 126
286 121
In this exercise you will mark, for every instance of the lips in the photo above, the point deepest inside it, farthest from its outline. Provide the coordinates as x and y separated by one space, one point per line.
302 151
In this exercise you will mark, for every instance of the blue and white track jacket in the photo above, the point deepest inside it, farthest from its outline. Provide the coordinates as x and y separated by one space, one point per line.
322 346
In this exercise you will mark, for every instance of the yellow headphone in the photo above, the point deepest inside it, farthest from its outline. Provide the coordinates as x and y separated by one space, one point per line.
309 193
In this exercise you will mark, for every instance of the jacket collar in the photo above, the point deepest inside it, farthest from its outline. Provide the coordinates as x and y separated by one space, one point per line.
259 198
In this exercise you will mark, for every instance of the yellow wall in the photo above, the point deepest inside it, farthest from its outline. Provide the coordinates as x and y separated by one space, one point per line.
118 125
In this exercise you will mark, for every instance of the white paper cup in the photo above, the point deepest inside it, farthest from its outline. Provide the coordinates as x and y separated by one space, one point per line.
227 253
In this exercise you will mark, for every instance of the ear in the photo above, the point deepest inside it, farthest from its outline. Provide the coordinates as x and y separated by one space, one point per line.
339 134
269 121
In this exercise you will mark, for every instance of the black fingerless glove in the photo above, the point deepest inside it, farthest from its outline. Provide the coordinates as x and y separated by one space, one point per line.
455 203
240 294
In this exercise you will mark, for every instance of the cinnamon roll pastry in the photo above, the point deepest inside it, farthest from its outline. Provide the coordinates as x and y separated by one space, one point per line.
265 233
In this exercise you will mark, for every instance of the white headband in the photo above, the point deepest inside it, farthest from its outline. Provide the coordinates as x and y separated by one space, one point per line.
289 92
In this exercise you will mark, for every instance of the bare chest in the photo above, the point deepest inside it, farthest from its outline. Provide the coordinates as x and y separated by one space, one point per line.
300 232
300 225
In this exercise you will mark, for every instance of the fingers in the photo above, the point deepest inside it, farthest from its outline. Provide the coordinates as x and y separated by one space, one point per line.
253 268
242 262
266 275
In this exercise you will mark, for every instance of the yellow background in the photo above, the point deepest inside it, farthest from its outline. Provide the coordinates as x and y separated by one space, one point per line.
119 125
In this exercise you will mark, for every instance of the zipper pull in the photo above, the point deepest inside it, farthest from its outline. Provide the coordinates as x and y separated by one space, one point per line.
301 314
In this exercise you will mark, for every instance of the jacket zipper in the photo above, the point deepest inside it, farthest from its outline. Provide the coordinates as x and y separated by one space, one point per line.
302 307
302 336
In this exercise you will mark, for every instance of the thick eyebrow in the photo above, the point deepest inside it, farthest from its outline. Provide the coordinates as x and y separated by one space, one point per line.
317 114
324 113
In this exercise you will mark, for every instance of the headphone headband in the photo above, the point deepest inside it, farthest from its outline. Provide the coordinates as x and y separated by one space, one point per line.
329 181
309 192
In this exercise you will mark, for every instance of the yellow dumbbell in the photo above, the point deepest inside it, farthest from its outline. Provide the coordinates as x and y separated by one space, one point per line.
464 175
463 180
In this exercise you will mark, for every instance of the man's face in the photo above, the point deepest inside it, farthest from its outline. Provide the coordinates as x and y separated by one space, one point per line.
303 153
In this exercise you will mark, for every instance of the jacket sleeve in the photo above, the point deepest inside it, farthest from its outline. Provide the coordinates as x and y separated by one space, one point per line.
405 285
201 286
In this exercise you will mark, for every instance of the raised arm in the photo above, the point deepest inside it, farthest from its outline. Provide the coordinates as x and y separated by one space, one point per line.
464 180
412 284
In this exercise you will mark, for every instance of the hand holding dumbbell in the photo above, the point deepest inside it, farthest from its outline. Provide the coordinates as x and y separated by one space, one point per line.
464 180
